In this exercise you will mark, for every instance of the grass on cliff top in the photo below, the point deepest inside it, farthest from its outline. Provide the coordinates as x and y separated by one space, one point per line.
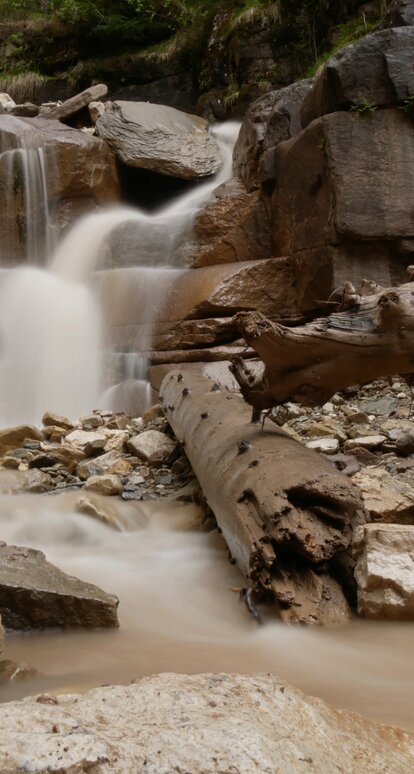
345 34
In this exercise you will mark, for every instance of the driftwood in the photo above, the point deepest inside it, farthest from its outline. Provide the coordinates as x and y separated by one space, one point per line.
371 337
286 513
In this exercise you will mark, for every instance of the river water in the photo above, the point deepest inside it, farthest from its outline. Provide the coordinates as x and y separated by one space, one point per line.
179 603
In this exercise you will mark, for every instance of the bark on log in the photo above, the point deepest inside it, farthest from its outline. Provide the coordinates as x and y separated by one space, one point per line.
286 513
308 364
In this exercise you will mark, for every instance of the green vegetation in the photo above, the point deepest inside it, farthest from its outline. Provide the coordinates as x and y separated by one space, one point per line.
363 107
344 35
407 105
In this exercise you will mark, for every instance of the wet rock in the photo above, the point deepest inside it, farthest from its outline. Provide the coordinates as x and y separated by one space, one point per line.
26 110
14 437
203 724
35 481
92 506
104 485
324 445
385 571
369 442
386 499
79 101
11 671
152 446
405 444
378 70
160 138
382 406
35 594
1 636
111 463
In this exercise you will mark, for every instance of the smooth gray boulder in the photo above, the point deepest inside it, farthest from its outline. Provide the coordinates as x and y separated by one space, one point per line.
203 724
375 71
399 14
161 139
35 594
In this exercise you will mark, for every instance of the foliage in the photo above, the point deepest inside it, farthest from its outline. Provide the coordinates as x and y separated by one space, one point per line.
407 104
363 107
345 34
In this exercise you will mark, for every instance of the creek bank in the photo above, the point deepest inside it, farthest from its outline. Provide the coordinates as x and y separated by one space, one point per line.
205 724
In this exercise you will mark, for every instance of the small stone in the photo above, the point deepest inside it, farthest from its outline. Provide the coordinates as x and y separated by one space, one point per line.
328 408
152 446
105 485
324 445
366 442
83 439
405 444
357 418
153 413
91 422
55 420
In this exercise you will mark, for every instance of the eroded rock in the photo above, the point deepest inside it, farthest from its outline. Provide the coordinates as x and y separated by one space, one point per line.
385 571
203 724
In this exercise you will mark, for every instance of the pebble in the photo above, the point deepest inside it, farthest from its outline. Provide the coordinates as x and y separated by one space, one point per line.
324 445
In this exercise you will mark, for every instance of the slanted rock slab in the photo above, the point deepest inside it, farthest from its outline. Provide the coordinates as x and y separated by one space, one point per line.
203 724
159 138
385 571
35 594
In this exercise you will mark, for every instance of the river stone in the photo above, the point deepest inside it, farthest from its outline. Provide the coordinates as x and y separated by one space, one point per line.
35 594
79 101
49 419
405 444
386 498
203 724
104 485
366 442
152 446
161 139
385 571
14 437
378 70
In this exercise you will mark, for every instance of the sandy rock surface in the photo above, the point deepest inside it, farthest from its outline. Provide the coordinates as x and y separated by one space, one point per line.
202 724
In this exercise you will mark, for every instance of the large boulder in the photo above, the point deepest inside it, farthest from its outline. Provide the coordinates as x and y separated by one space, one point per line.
338 211
203 724
272 119
385 571
35 594
161 139
399 14
376 70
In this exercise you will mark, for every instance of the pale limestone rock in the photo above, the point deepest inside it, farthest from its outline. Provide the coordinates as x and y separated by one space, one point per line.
203 724
385 570
104 485
386 498
92 506
324 445
96 109
366 442
55 420
152 446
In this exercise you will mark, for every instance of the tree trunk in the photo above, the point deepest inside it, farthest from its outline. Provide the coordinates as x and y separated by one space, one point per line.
308 364
286 513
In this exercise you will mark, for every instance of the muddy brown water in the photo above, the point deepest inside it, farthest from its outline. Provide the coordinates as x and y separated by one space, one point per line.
179 611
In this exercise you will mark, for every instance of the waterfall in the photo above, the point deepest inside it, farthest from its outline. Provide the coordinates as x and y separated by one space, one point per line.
51 331
27 225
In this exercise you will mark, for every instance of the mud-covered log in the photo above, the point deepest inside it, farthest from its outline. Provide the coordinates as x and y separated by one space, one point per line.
308 364
286 513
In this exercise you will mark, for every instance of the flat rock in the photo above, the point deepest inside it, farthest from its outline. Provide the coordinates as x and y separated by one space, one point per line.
385 571
324 445
385 497
72 105
104 485
35 594
161 139
152 446
111 463
366 442
82 439
14 437
55 420
382 406
203 724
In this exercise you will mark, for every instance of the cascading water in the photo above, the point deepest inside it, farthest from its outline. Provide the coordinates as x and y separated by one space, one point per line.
50 325
27 225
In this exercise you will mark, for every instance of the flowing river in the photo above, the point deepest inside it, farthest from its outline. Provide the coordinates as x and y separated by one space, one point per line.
179 603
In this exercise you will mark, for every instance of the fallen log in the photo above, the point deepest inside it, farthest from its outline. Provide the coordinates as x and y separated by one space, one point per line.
308 364
286 513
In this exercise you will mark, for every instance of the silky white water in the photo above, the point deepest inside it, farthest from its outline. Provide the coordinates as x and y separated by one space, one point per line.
180 611
51 331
